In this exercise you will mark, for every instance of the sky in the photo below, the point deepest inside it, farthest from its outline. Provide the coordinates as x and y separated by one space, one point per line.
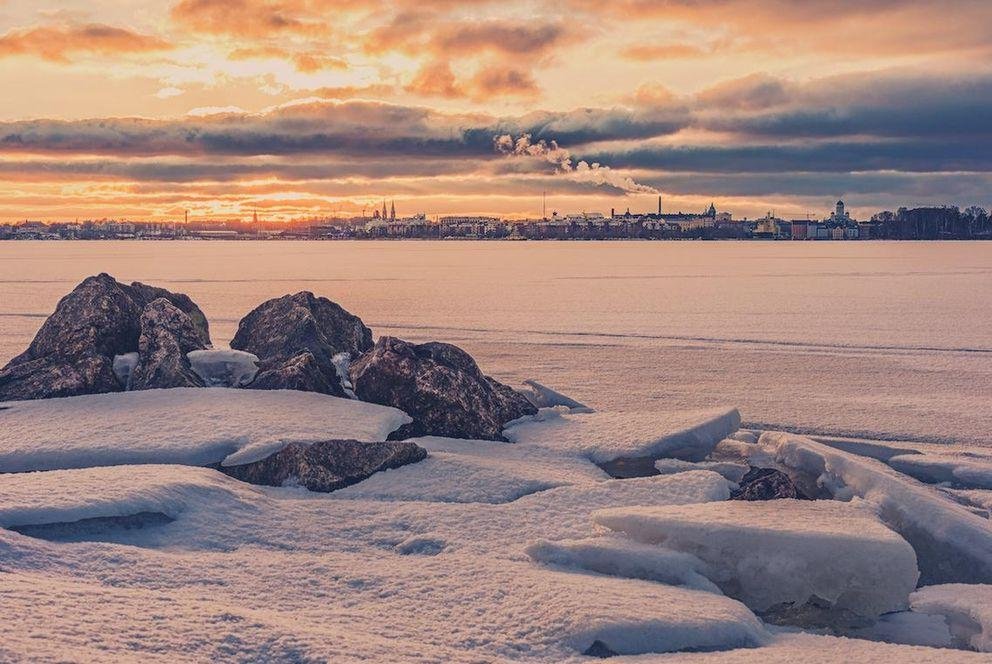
147 109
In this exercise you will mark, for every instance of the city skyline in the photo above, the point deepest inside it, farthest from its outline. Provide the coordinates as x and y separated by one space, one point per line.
311 108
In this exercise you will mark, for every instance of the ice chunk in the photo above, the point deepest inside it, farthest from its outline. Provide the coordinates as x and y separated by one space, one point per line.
224 367
470 471
617 556
952 544
966 608
544 397
342 361
784 552
965 470
116 493
728 469
979 499
607 436
909 628
124 366
191 426
744 437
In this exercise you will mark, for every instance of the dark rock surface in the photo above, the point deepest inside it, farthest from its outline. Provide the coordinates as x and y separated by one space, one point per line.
766 484
167 334
440 386
144 295
296 338
73 352
327 465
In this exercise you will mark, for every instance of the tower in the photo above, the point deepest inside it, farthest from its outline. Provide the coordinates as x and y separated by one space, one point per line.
839 212
659 206
254 218
392 210
384 208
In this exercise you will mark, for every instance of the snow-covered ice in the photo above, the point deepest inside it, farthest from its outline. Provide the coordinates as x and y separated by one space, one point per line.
224 367
475 471
606 436
965 470
192 426
618 556
544 397
952 543
784 551
966 608
733 471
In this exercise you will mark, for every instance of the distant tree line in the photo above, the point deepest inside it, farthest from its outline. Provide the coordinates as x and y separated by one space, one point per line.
933 223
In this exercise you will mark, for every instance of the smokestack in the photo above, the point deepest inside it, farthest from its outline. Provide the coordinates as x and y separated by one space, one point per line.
659 206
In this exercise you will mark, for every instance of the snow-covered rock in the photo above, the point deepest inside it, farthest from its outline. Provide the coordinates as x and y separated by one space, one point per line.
617 556
167 335
965 470
224 367
607 436
966 608
784 553
191 426
475 471
952 544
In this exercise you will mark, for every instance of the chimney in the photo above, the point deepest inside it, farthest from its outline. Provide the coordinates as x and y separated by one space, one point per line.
659 206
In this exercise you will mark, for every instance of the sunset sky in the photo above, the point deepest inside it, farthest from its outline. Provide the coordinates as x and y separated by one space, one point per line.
298 108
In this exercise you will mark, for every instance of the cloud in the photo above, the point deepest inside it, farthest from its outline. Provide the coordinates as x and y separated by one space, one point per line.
669 51
252 18
306 62
57 43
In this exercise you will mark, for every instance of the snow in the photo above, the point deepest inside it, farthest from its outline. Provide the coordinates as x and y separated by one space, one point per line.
475 471
607 436
616 556
224 367
191 426
966 470
966 608
952 544
544 397
124 366
793 648
981 499
260 573
784 551
732 471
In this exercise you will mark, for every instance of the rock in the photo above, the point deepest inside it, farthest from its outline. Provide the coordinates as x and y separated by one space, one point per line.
73 352
167 335
301 372
440 386
327 465
766 484
144 295
296 338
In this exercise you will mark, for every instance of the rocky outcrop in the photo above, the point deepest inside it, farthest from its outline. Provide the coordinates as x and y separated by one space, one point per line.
296 338
144 295
766 484
167 335
73 352
440 386
327 465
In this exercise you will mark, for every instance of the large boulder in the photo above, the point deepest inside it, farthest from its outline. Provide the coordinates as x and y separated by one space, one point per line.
440 386
327 465
144 295
167 335
297 339
73 352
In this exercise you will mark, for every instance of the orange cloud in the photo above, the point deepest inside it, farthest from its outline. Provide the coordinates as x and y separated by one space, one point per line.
55 43
496 81
306 62
253 18
647 52
435 79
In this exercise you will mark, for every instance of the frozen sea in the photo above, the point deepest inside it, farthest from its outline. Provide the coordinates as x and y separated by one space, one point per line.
875 340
